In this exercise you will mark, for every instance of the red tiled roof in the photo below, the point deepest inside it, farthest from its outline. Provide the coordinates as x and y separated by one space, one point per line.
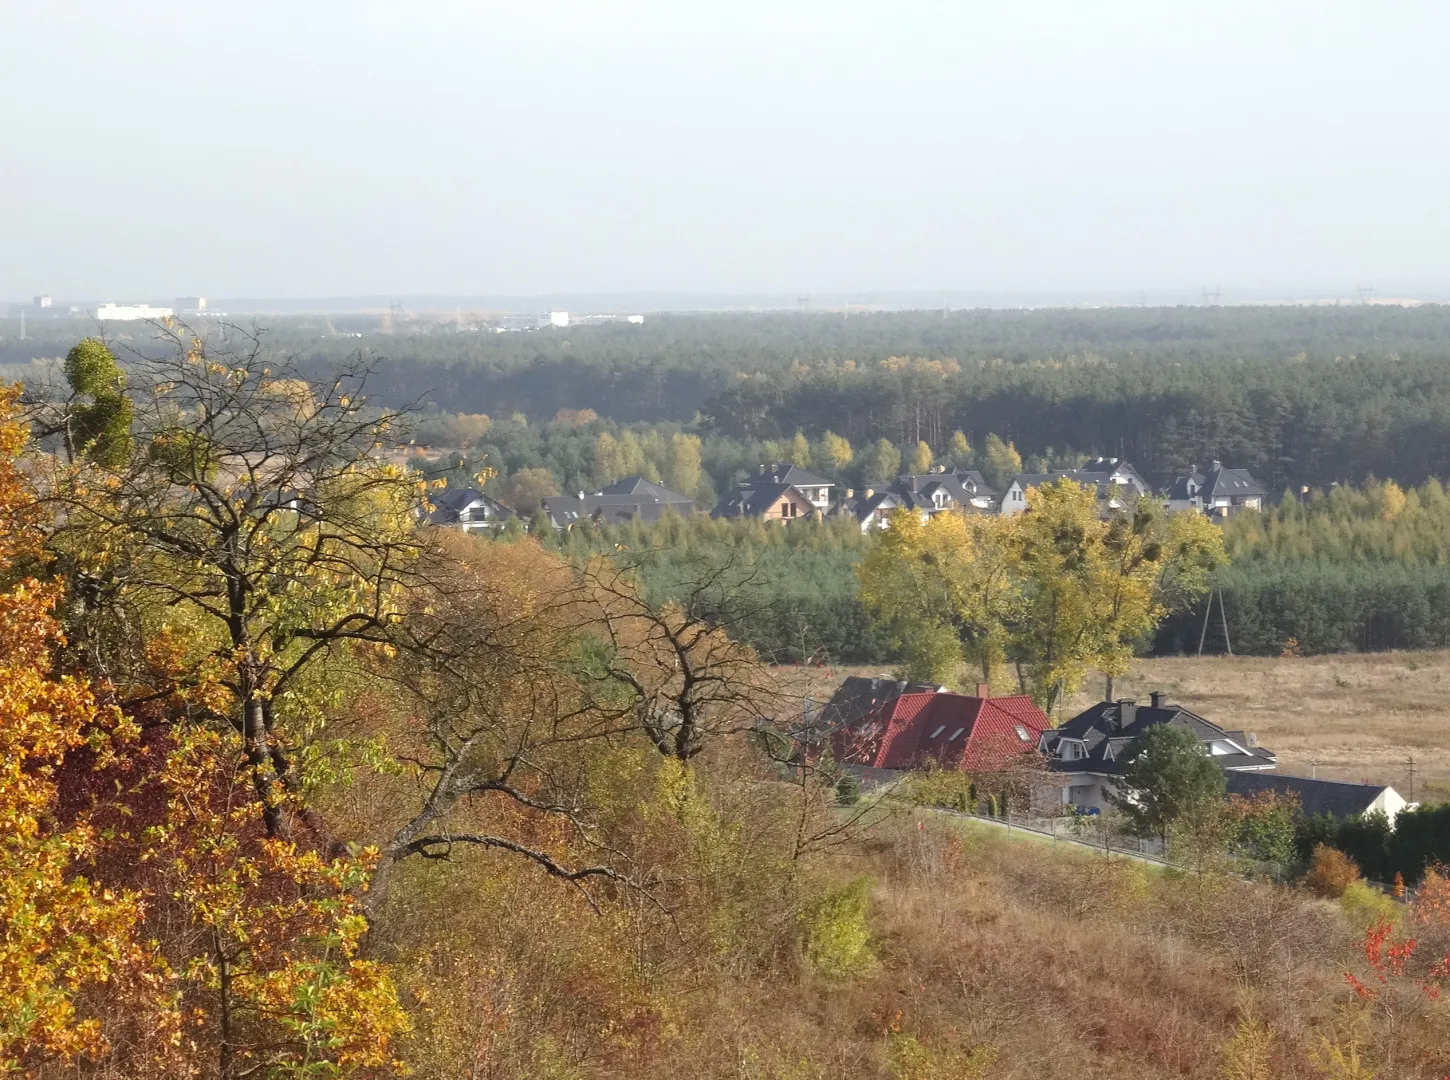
959 732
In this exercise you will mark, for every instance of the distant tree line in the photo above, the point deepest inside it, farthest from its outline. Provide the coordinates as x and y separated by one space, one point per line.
1301 396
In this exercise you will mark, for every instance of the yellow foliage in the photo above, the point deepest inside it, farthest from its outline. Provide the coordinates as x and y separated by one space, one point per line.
910 1059
838 941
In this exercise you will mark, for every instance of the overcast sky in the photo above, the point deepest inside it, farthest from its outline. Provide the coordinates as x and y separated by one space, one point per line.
248 148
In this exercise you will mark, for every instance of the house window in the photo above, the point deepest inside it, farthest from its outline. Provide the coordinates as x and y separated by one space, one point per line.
1021 732
937 732
956 734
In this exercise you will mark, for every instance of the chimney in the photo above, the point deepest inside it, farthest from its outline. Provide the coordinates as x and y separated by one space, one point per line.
1127 713
984 690
867 493
1157 698
850 493
581 496
1217 464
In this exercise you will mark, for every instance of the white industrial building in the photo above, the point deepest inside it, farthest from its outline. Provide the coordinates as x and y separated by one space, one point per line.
132 312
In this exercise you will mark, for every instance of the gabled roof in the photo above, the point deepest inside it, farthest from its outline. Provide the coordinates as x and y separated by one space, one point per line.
963 485
1221 483
755 501
859 695
954 730
1334 797
1099 473
630 499
641 489
863 506
783 472
450 504
1102 729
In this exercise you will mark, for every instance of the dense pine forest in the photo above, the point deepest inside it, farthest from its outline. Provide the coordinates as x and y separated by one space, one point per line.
1300 395
1317 402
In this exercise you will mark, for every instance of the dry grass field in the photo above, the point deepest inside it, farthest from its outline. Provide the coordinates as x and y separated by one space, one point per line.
1344 717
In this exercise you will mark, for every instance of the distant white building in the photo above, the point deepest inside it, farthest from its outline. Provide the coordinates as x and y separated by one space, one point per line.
42 301
554 318
132 312
635 319
191 303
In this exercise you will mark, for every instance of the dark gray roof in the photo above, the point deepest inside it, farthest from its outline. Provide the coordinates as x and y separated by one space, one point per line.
450 503
1217 482
642 489
631 499
858 696
783 472
755 501
963 485
863 506
1098 473
1334 797
1108 738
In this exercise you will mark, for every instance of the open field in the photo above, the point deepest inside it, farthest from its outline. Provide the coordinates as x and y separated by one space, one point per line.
1358 716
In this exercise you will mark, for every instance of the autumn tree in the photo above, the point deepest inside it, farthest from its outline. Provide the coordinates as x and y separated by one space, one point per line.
255 518
682 472
882 463
1057 592
63 935
944 590
1094 585
834 452
524 491
800 450
1000 461
920 459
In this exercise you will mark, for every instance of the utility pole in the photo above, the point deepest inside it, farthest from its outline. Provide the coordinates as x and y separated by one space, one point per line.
1410 766
1223 614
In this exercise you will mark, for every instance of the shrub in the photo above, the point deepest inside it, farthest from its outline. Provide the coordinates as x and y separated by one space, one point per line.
942 787
910 1059
1365 905
848 790
838 944
1331 871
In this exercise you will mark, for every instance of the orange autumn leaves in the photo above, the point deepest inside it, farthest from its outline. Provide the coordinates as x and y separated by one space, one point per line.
60 933
148 924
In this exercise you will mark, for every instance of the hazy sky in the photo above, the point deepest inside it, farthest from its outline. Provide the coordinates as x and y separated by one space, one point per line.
248 148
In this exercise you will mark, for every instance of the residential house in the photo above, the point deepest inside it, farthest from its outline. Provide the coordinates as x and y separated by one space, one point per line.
871 509
631 499
784 503
953 731
1339 799
1216 490
964 489
859 695
815 489
1117 483
468 510
1086 756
